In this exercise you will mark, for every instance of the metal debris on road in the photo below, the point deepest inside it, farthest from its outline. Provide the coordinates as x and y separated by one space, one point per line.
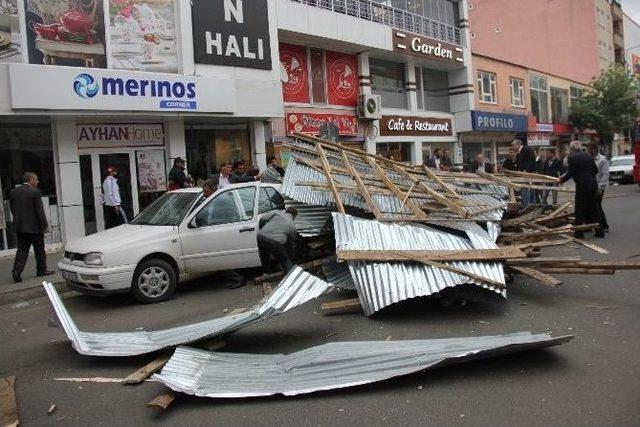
295 289
330 366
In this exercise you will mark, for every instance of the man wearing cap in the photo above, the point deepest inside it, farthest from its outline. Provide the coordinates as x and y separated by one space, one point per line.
113 213
177 178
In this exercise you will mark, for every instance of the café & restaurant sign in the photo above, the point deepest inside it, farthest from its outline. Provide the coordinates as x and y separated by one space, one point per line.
415 126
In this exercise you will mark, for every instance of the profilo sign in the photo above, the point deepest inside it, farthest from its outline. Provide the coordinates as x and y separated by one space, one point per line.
415 126
426 48
234 33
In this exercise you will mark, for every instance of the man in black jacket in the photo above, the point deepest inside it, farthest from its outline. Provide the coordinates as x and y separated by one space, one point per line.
525 162
30 224
480 164
583 170
551 167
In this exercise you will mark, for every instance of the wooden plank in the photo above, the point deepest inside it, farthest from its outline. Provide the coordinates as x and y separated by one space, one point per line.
162 401
543 278
543 244
570 270
540 260
535 176
446 187
438 255
399 194
8 404
341 307
327 171
555 213
361 187
529 216
147 370
614 265
591 246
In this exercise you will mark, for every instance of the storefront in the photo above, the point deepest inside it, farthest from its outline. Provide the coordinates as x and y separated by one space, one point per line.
492 135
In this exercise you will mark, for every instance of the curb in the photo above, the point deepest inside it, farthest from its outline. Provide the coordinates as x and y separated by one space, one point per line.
31 293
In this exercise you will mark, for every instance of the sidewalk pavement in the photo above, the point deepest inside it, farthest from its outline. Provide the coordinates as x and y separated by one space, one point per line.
31 286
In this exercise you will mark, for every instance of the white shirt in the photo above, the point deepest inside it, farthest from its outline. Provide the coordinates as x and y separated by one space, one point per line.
603 171
223 181
481 167
111 191
437 162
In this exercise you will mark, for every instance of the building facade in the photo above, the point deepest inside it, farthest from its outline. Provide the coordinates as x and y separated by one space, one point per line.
91 84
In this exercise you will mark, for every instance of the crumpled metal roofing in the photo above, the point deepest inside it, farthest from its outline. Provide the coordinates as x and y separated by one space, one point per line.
382 284
330 366
311 220
295 289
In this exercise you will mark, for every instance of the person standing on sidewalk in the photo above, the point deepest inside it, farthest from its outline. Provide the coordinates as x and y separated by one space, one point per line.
552 167
113 213
31 225
525 162
603 182
277 237
583 170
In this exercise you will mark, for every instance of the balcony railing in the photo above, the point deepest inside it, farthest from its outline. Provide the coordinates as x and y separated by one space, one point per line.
391 16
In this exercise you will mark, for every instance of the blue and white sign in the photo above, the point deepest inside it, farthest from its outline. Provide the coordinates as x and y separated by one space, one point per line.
66 88
498 122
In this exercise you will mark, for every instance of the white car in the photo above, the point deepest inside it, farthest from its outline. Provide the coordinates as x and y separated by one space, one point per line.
179 236
621 169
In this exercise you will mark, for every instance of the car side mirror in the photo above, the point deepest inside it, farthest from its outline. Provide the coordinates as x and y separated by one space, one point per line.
192 223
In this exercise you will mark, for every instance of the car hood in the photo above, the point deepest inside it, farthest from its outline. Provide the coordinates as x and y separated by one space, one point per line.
118 238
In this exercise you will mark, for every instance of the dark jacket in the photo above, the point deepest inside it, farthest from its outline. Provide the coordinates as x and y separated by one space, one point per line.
553 168
526 159
177 179
473 167
509 164
27 210
583 170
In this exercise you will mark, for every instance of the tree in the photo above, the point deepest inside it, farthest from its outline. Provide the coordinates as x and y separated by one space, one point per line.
609 106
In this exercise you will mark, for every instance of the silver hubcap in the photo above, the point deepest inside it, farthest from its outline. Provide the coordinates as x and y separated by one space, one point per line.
153 282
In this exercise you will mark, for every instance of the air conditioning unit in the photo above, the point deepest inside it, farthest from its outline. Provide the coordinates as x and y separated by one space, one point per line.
370 107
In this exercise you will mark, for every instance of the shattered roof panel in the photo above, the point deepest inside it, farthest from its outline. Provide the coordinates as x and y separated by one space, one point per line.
295 289
330 366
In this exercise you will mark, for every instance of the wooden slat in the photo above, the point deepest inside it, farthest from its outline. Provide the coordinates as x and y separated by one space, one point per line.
147 370
540 260
446 187
8 404
364 192
343 306
438 255
543 278
327 171
534 176
569 270
162 401
591 246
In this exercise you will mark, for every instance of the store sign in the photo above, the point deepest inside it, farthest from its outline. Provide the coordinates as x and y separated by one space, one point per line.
234 33
538 140
311 123
342 79
562 129
426 48
66 88
544 127
498 122
415 126
105 135
294 73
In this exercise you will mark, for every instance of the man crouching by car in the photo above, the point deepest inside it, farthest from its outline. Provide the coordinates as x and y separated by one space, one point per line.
277 237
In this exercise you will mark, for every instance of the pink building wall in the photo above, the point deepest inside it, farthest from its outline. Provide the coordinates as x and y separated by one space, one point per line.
552 36
503 72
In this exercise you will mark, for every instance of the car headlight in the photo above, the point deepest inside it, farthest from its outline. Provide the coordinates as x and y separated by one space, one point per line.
93 258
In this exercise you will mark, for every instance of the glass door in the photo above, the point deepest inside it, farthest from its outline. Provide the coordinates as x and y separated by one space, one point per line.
122 162
89 199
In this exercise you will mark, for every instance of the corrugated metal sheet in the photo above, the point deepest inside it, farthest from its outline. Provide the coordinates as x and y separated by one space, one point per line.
312 220
338 274
295 289
382 284
330 366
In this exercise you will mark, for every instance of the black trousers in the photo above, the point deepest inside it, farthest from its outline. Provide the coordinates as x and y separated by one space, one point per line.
268 247
602 218
586 206
25 240
112 218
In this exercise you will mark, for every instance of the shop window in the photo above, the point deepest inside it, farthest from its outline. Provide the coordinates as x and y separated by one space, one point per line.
517 92
399 151
388 81
26 148
575 93
559 105
487 87
539 98
432 90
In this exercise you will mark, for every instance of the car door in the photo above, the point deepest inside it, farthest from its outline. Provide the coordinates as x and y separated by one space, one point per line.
221 235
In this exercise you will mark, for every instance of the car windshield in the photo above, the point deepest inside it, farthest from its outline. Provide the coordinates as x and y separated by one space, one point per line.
622 162
169 209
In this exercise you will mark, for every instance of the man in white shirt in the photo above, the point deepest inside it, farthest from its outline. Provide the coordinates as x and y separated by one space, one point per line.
603 182
113 213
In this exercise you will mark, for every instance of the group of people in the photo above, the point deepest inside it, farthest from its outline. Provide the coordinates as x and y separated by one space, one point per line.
440 160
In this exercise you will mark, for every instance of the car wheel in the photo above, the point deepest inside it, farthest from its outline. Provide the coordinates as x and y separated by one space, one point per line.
153 281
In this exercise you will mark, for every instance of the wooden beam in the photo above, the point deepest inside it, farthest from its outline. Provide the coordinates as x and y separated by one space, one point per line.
327 172
8 404
591 246
398 193
540 260
364 192
147 370
507 253
543 278
569 270
535 176
162 401
440 182
341 307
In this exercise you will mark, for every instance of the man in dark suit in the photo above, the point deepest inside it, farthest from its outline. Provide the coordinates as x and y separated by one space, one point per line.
525 162
583 170
551 167
30 224
480 164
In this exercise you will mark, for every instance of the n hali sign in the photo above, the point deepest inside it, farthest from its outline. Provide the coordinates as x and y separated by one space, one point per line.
415 126
424 47
231 32
66 88
312 122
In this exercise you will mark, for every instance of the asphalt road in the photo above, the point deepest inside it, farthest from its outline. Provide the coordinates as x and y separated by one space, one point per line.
593 380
